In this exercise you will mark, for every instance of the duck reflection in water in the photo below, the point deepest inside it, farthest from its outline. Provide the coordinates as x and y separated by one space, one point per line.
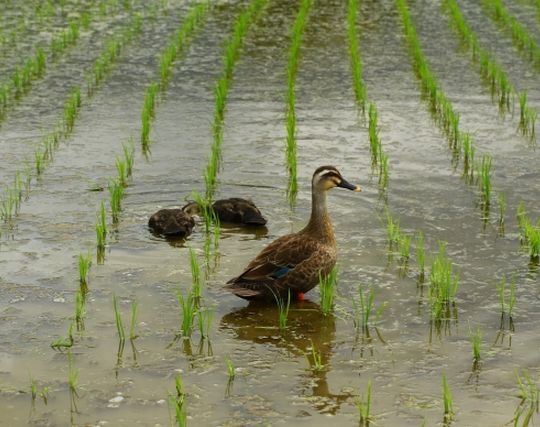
307 328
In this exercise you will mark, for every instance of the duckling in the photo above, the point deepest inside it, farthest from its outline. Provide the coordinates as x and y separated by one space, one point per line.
292 263
234 210
171 223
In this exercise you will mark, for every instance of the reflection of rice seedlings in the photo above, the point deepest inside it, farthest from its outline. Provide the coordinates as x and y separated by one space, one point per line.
79 310
205 316
132 334
147 114
327 284
39 161
118 320
195 274
420 253
188 309
364 309
283 310
529 394
364 407
447 401
101 227
314 358
73 375
354 52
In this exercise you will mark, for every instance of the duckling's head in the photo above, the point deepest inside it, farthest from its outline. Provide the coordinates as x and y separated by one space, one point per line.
327 177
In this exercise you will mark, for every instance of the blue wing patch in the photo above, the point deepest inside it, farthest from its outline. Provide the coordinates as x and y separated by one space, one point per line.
281 271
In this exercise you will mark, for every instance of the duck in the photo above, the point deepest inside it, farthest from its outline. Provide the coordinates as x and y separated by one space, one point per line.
171 222
291 264
234 210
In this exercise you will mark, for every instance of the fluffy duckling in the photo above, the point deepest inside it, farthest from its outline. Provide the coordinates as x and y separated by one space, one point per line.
292 263
171 223
234 210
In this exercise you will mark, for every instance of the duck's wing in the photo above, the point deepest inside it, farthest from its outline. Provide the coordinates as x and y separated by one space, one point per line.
288 263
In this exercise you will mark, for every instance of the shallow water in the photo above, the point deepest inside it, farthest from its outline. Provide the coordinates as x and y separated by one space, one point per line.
404 356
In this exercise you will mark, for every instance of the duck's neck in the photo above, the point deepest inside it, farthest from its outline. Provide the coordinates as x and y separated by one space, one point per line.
319 225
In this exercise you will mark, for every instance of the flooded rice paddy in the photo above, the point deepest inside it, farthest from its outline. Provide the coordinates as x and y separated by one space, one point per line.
404 353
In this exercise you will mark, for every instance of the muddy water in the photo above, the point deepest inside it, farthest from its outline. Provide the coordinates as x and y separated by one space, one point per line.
404 356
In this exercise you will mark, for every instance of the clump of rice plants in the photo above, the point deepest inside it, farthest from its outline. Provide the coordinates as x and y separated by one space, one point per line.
205 316
128 150
314 358
364 407
364 311
354 52
476 342
116 193
178 402
283 310
64 342
118 320
101 228
195 274
71 109
529 232
448 403
188 308
327 285
529 395
132 334
444 283
392 229
73 379
373 131
405 246
79 310
507 301
485 178
147 114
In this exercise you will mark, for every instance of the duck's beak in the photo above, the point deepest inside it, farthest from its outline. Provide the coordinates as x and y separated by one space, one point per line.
345 184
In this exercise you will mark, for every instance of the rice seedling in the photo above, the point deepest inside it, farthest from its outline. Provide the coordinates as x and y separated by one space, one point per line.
507 303
420 253
205 316
327 285
231 372
405 246
79 310
354 52
101 228
364 407
283 310
529 232
118 320
314 358
364 311
485 178
44 394
501 199
116 193
132 334
39 161
73 375
148 114
476 342
392 229
128 150
178 402
195 274
121 172
383 170
374 141
188 309
64 342
444 284
529 395
33 389
8 205
447 401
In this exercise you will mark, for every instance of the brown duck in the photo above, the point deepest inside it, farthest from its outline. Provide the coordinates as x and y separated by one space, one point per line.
234 210
171 223
292 263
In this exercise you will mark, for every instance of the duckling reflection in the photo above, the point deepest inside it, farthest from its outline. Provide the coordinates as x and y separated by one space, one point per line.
307 328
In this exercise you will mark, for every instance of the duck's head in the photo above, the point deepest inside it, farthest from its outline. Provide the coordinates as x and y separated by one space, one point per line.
327 177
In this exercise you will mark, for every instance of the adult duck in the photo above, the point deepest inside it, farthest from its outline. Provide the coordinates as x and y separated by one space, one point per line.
292 263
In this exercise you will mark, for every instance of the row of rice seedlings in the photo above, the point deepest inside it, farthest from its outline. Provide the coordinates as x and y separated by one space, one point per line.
178 44
529 232
448 402
44 152
364 407
364 311
529 395
441 107
290 114
112 50
443 286
11 199
327 286
231 54
314 358
492 71
521 37
354 52
507 301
